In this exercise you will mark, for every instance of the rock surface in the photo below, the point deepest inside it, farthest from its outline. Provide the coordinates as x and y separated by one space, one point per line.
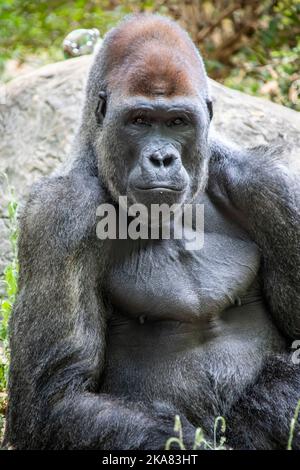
39 113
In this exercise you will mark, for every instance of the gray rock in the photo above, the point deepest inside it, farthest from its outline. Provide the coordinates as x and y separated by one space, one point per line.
39 114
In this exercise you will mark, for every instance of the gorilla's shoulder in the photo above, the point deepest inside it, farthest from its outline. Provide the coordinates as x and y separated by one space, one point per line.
60 212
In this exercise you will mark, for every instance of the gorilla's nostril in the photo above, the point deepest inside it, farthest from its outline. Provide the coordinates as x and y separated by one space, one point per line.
155 161
159 160
168 160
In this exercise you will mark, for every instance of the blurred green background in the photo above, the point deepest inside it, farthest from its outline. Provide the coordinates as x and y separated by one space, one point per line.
253 46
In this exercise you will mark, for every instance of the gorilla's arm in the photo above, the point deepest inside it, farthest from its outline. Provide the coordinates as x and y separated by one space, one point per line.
262 192
265 411
58 332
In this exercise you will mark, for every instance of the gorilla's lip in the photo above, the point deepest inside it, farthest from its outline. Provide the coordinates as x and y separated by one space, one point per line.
160 187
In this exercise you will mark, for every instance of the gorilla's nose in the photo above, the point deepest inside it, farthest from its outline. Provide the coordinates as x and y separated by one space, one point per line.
163 159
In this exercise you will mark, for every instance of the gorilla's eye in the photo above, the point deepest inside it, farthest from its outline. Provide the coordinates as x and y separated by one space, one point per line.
141 121
176 122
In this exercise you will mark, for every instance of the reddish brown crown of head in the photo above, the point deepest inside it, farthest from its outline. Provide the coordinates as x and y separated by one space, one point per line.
150 56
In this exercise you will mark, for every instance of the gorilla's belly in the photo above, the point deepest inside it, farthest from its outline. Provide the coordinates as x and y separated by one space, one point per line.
184 363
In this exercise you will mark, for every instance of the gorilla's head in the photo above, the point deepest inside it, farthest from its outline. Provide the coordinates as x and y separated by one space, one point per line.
149 104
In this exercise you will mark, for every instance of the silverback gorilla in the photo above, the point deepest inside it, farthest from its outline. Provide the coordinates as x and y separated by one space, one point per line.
111 338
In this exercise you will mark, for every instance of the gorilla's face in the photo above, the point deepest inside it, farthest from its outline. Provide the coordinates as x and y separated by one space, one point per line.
154 150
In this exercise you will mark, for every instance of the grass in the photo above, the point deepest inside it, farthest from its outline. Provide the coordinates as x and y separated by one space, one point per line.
294 421
10 282
200 442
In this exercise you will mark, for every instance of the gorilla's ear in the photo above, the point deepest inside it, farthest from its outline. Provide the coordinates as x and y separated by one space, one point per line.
210 108
101 107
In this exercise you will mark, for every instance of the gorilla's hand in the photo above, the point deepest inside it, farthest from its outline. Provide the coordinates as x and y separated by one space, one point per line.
164 418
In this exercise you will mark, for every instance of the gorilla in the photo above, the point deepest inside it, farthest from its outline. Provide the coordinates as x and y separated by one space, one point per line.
111 338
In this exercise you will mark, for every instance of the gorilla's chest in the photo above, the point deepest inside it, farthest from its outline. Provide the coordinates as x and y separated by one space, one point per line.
162 280
174 333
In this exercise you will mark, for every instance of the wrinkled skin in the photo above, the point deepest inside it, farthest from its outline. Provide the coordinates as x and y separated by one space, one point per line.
111 338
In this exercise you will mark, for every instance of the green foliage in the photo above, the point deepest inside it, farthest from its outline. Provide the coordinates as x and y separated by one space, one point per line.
278 80
10 282
269 64
38 28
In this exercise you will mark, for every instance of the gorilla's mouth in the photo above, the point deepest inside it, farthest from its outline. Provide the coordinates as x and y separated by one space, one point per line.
160 187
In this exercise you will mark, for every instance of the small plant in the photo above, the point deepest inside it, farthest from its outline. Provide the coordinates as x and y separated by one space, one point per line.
200 442
293 425
10 281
